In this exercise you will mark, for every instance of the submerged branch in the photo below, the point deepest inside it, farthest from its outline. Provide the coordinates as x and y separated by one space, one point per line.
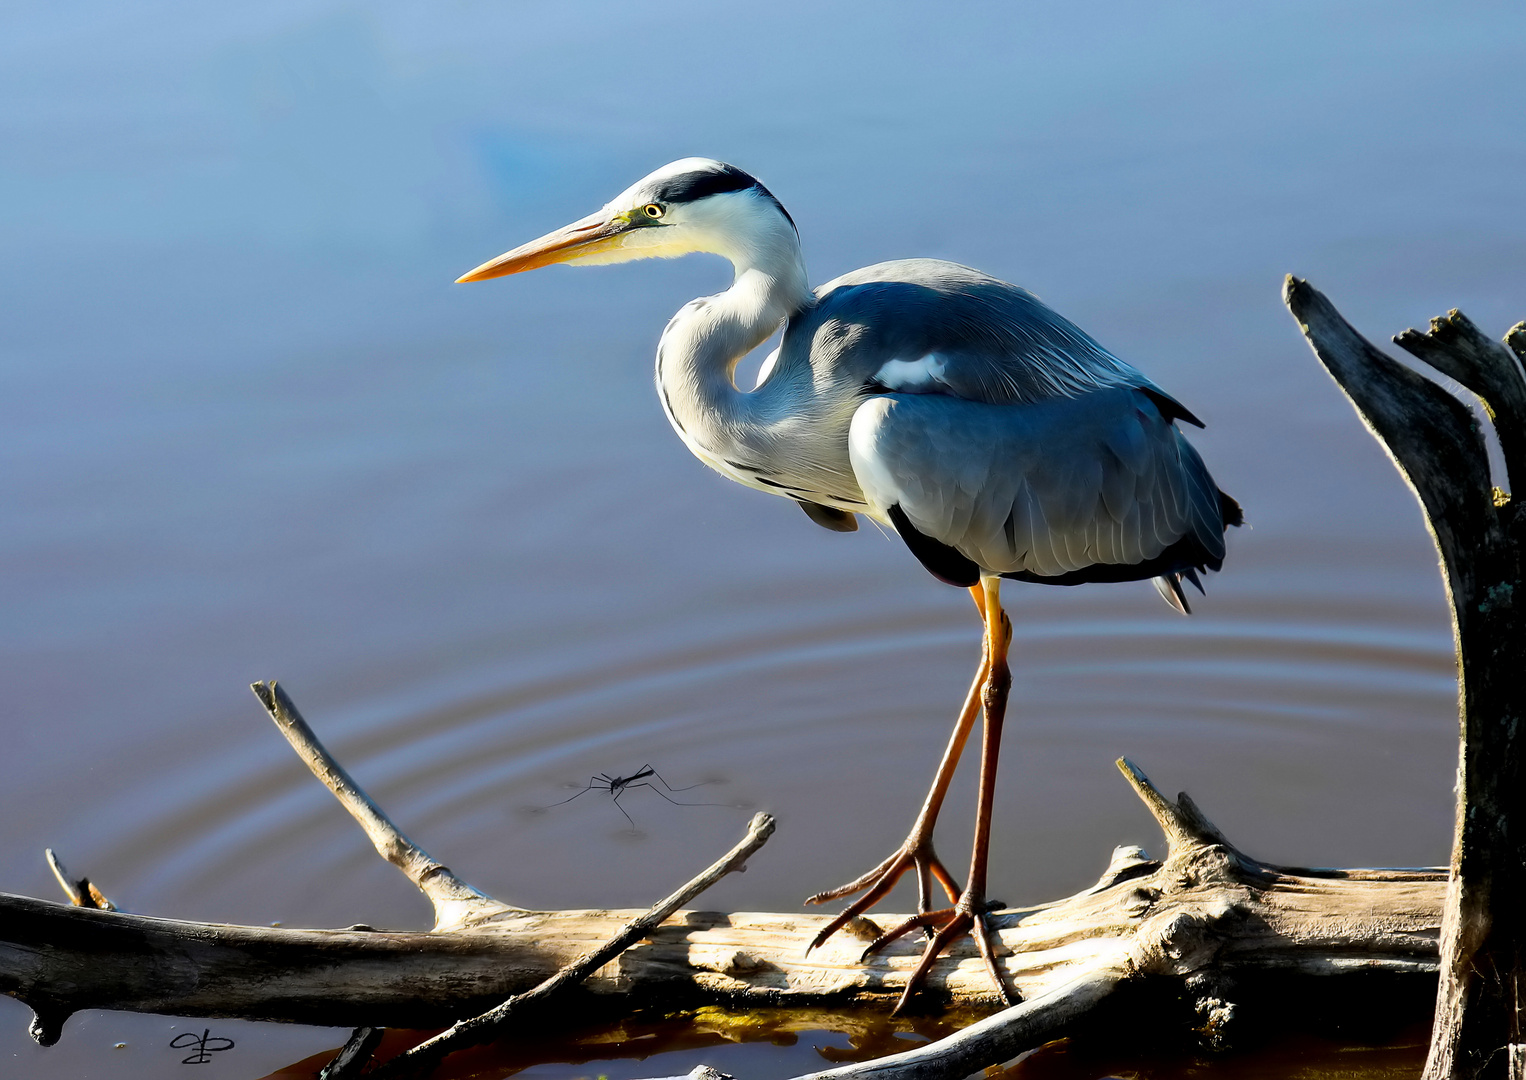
996 1038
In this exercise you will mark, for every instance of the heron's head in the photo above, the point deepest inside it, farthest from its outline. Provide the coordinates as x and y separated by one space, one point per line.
696 204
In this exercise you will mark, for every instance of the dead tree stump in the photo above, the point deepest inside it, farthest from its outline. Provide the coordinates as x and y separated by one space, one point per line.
1439 445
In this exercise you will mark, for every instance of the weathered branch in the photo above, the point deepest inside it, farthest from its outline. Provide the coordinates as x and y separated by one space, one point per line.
1207 919
1455 347
1431 437
1205 908
1436 444
354 1055
996 1038
480 1029
1185 826
81 892
455 902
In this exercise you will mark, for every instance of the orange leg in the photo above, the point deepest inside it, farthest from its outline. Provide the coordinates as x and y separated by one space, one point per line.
969 913
990 691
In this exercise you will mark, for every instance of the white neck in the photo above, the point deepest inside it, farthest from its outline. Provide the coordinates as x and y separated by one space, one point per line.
700 349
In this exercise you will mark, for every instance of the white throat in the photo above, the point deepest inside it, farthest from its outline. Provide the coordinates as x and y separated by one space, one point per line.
699 351
784 437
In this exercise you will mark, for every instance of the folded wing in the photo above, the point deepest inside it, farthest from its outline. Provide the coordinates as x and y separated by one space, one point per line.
1096 487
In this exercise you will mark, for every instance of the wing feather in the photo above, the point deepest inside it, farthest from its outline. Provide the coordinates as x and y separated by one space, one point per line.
1045 489
931 327
1118 485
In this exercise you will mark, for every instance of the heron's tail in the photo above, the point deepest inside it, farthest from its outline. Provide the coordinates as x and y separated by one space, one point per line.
1170 585
1170 588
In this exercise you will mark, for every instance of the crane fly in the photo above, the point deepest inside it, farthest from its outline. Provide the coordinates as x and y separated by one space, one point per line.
641 778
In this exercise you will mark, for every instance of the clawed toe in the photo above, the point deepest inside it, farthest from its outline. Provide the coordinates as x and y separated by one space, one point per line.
982 935
915 855
924 921
955 922
970 916
873 877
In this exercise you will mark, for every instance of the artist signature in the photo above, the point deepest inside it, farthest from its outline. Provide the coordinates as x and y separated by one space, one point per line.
206 1044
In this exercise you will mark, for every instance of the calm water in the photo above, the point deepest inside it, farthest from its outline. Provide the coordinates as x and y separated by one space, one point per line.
251 430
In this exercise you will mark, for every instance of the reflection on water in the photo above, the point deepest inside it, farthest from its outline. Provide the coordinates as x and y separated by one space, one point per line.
1300 1059
253 431
804 1040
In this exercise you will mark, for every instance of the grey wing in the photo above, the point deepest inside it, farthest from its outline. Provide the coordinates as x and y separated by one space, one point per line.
1098 487
926 326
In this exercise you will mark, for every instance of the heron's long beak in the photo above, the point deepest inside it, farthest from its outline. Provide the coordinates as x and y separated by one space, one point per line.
592 234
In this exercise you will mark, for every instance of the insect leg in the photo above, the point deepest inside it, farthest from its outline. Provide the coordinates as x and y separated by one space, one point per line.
592 783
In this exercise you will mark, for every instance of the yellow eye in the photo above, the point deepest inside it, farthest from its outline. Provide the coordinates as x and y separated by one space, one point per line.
652 210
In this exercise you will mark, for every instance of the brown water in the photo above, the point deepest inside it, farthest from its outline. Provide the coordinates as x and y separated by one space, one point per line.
252 431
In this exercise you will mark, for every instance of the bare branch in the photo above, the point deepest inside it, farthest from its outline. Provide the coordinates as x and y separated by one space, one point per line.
80 891
1429 434
455 902
992 1040
1455 347
354 1056
481 1028
1183 823
1439 450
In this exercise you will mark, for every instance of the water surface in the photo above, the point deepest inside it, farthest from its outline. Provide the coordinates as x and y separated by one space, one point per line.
253 431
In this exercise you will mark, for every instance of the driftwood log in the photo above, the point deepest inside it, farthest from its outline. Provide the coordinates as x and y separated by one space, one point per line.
1440 447
1207 929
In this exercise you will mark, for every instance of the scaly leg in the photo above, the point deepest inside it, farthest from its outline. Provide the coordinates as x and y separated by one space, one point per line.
969 912
916 852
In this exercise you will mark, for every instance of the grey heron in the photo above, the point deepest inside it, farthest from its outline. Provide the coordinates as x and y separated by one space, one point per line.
993 435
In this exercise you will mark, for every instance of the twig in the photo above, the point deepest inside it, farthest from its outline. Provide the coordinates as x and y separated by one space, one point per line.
479 1029
80 891
1183 823
996 1038
455 902
354 1055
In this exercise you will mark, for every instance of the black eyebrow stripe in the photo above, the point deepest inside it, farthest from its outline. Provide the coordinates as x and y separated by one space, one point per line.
692 186
689 186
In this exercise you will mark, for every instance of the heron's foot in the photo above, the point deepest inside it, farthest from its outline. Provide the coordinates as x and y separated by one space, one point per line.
971 915
915 854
